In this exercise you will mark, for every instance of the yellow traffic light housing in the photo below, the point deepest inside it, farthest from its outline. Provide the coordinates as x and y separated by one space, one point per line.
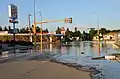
70 20
34 29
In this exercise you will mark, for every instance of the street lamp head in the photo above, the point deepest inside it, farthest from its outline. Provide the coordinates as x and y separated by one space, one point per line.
29 15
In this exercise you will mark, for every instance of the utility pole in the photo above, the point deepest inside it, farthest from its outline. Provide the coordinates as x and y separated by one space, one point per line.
29 27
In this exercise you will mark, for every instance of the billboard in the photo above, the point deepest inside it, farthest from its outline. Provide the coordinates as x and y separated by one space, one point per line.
13 13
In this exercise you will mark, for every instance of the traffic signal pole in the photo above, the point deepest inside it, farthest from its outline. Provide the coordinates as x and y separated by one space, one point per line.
66 20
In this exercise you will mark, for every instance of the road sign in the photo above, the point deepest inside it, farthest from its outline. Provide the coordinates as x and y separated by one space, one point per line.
13 13
13 21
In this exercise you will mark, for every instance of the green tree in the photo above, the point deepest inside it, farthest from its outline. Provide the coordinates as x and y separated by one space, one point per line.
103 31
9 28
67 35
46 30
38 29
5 28
92 33
77 34
0 28
17 30
75 29
22 30
58 31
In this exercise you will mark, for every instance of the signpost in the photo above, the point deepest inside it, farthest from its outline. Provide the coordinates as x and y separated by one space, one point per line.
13 15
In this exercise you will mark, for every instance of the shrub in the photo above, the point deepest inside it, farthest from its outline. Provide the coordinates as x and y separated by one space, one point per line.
1 42
6 42
26 43
0 47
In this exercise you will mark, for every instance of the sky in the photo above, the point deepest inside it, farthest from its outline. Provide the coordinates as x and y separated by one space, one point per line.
83 12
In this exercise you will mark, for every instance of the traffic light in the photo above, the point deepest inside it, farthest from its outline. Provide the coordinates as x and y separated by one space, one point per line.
34 29
70 20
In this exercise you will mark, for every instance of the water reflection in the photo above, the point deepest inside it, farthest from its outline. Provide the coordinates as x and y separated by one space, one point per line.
75 49
72 49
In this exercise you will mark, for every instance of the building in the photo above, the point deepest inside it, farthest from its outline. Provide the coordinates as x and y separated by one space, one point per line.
3 32
118 39
111 36
63 30
96 37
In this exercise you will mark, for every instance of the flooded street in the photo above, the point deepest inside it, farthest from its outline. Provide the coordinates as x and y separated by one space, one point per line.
74 53
76 48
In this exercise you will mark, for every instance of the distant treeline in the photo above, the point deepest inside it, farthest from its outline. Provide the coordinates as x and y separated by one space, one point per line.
85 36
22 30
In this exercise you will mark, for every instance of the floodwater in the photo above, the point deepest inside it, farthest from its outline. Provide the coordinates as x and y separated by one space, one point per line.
76 49
76 52
85 48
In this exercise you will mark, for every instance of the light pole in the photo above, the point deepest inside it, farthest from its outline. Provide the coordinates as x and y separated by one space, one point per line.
34 25
98 36
41 30
29 27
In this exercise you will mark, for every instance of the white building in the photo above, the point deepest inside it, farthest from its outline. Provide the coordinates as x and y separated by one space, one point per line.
110 36
63 30
3 32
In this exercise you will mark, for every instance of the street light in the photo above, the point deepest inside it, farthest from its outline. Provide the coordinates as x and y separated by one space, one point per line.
35 24
98 32
29 27
41 29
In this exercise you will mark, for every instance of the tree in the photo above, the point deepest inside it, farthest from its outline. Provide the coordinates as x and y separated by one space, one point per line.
27 30
22 30
75 29
92 32
67 35
5 28
58 31
17 30
37 29
9 28
0 28
46 30
103 31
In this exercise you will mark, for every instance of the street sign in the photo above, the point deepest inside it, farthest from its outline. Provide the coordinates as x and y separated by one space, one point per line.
13 13
13 21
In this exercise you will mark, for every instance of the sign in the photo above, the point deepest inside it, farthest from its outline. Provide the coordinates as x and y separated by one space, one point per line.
13 21
13 13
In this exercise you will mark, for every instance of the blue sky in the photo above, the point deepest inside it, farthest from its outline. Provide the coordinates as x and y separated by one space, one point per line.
84 12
